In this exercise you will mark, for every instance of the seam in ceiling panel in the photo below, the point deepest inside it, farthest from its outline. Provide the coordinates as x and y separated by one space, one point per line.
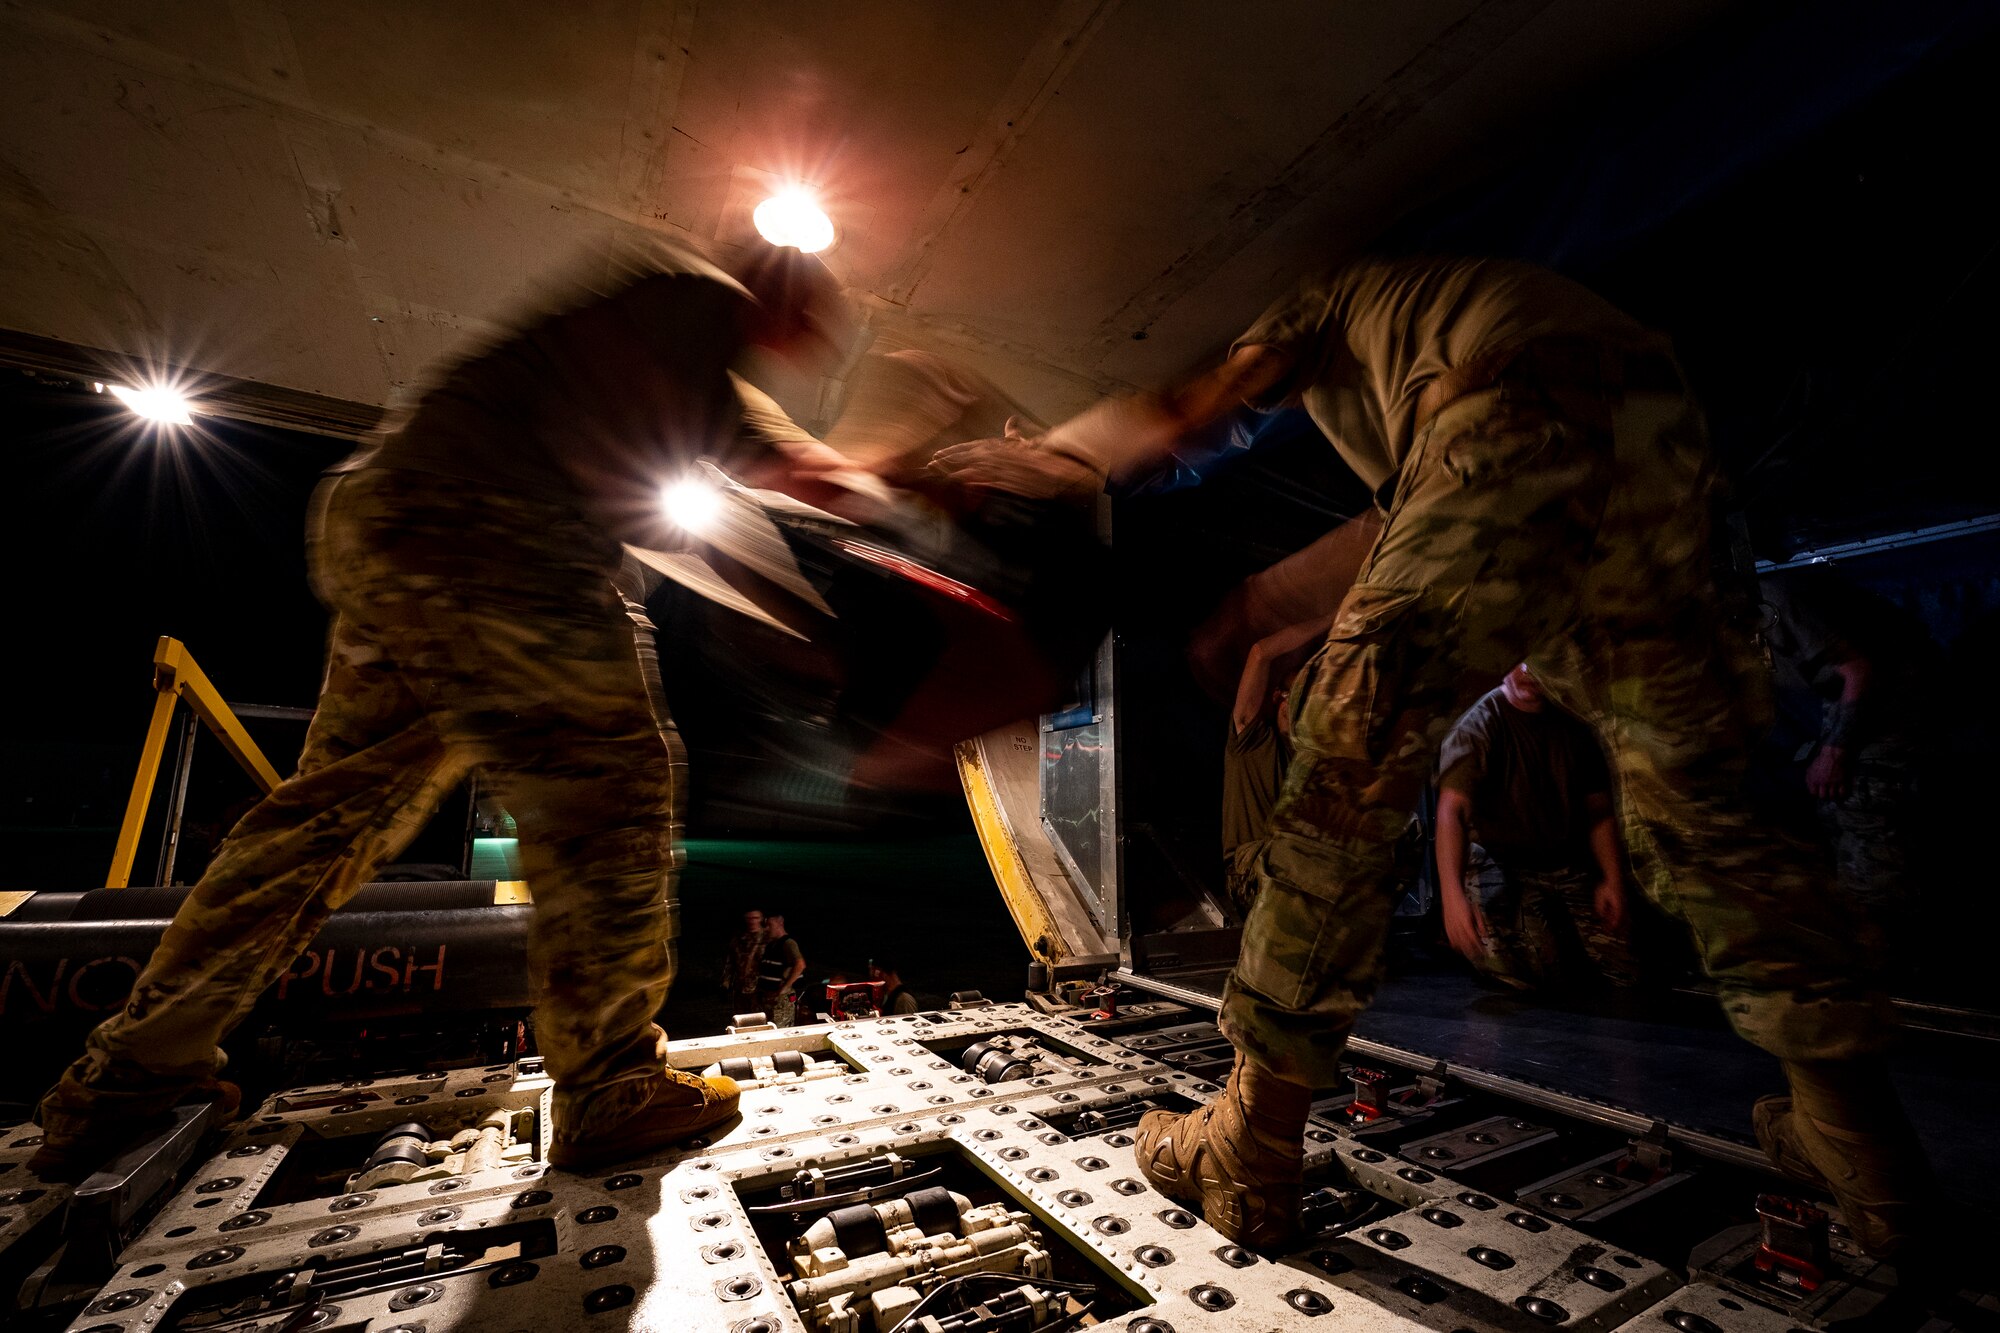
121 48
1357 132
1061 43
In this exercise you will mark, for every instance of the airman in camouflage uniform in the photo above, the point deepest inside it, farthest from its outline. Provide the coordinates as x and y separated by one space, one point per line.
470 560
1862 764
1872 827
1547 489
1531 871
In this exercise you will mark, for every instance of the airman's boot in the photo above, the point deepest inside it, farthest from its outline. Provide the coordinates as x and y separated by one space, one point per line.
84 1126
1239 1158
1865 1155
635 1118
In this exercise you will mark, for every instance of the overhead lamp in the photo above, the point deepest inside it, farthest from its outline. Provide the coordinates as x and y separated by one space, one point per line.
792 217
691 505
158 403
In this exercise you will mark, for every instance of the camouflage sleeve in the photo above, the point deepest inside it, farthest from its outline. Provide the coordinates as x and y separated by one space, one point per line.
765 423
681 316
898 401
627 391
1292 325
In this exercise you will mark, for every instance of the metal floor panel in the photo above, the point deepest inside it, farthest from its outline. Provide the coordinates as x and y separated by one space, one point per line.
265 1238
1671 1059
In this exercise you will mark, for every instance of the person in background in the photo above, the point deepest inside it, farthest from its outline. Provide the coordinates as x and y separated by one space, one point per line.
778 971
897 999
1529 862
746 954
1861 765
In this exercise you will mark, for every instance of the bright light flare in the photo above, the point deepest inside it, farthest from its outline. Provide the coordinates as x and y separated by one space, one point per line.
158 403
793 217
691 505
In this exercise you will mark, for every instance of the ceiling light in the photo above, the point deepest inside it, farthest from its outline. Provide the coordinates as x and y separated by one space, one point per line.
793 217
158 403
691 505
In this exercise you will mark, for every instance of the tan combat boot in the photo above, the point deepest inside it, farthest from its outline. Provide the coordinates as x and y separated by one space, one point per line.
667 1108
1239 1158
76 1142
1880 1180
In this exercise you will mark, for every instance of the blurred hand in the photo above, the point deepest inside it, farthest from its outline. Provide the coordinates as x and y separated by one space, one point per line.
1609 900
1465 925
1018 466
1826 775
806 470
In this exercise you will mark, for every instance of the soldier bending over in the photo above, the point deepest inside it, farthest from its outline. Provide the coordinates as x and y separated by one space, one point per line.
1545 483
468 559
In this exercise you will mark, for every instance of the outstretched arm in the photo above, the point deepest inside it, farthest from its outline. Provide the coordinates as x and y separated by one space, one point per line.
1305 586
1123 438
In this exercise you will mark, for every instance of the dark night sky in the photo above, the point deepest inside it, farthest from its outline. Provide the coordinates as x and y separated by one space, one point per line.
115 535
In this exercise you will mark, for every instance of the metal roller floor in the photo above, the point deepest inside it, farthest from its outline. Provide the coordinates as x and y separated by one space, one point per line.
967 1170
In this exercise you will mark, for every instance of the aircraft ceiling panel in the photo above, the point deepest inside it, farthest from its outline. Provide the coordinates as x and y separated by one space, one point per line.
876 102
329 198
539 89
1160 133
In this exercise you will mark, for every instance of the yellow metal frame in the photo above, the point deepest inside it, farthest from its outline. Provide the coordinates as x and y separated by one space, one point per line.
1017 887
178 679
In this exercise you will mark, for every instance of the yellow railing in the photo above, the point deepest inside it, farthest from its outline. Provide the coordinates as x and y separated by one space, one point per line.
178 680
1017 885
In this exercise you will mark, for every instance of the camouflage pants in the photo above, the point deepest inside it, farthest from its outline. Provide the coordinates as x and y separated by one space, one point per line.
1871 830
782 1010
471 632
1569 529
1539 921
